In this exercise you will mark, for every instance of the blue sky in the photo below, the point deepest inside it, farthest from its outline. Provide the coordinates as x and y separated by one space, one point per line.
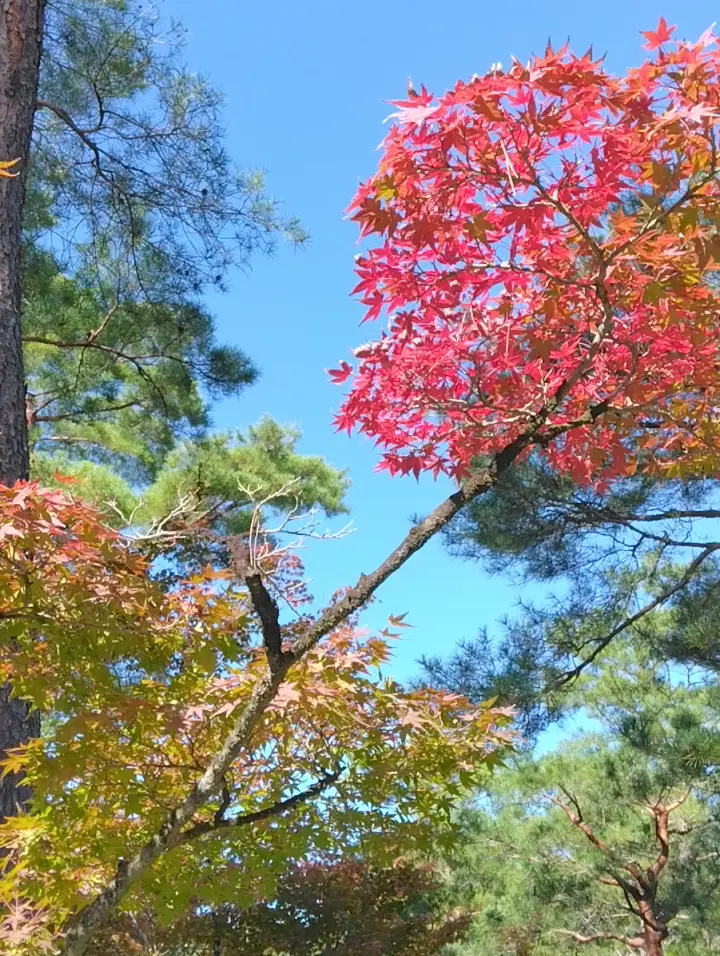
306 87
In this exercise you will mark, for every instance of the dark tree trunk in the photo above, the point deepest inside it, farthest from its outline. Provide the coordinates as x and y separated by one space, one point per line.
20 42
217 939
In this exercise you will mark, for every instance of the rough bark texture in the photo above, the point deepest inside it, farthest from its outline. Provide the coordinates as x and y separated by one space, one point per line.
20 43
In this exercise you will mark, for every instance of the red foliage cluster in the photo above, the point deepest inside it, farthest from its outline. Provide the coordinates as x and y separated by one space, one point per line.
547 236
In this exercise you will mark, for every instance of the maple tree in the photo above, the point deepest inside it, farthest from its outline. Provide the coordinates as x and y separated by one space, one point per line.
195 749
546 237
336 907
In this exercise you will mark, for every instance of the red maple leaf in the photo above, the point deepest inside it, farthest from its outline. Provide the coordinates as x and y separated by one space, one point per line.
339 375
661 34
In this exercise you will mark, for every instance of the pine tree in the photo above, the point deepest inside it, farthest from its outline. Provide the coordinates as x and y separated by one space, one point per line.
20 42
133 208
609 843
610 556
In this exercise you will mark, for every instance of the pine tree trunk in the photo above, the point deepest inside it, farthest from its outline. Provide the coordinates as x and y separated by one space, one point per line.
20 42
652 942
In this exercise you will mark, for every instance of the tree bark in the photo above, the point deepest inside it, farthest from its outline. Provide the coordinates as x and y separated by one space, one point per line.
654 930
652 943
21 24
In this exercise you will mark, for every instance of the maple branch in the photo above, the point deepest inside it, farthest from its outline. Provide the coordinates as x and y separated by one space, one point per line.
267 611
569 215
224 805
605 327
244 566
221 822
93 916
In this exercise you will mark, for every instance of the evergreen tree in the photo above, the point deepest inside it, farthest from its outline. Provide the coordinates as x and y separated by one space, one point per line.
134 208
612 556
608 844
126 208
20 43
122 361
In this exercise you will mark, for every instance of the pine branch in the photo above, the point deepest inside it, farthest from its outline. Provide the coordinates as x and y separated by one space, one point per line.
656 602
576 818
632 943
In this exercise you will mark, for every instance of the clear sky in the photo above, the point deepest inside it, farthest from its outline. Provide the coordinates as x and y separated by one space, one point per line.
306 87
